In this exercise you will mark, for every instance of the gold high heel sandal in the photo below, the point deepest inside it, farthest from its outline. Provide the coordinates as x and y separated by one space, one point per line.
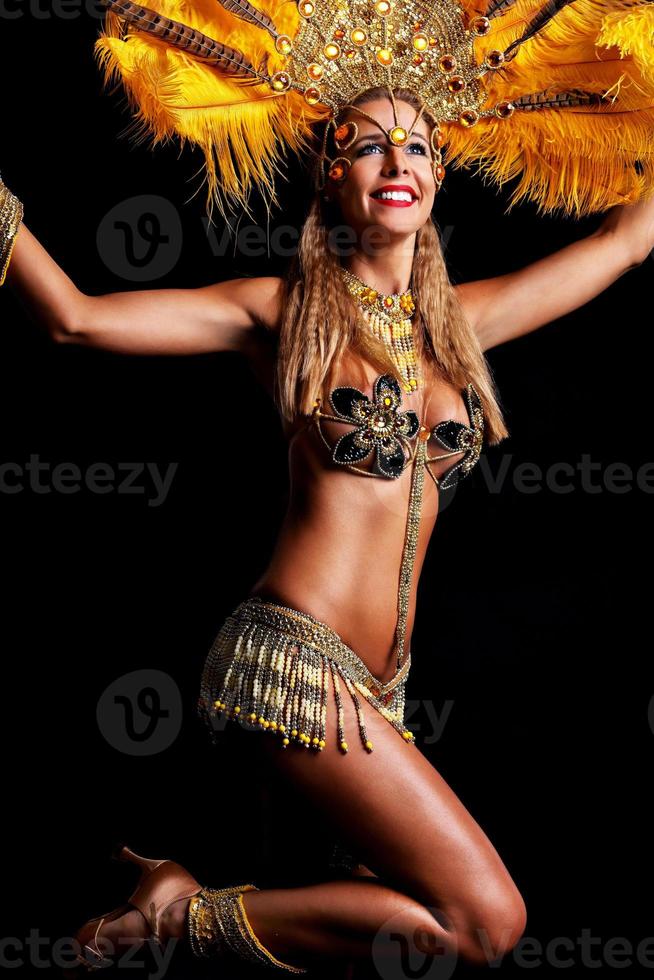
160 885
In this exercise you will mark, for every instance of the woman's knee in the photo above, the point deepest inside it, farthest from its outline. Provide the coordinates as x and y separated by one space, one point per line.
478 937
489 930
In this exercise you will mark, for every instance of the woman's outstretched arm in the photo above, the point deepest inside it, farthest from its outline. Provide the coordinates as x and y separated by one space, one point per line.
509 306
219 317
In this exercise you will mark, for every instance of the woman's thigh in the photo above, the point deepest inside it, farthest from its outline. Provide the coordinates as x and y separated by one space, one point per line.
397 814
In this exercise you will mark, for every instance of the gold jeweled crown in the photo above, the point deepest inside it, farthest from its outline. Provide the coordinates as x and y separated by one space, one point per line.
344 48
559 94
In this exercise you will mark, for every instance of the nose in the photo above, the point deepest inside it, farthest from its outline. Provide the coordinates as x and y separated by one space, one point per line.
394 162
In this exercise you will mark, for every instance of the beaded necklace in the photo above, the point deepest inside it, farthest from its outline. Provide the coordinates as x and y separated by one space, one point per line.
390 320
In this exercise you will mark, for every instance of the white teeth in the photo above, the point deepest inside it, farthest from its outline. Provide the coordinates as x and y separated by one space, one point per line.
394 196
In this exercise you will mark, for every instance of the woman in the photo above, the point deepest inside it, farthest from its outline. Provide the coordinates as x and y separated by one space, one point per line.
353 400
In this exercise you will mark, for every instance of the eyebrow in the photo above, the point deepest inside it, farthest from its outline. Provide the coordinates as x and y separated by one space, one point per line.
382 136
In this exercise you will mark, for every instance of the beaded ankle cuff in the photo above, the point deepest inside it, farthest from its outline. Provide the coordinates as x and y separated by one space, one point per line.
218 923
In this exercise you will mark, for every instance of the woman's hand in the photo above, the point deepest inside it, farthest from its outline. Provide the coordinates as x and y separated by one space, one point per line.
632 226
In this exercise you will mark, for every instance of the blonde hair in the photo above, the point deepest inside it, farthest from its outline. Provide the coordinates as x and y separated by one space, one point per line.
321 324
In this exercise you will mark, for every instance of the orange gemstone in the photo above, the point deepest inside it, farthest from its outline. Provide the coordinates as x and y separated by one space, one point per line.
283 44
338 171
315 71
388 301
418 59
306 8
332 51
468 118
439 171
447 62
495 58
344 134
339 33
383 7
420 42
281 81
504 109
480 25
398 135
456 83
385 56
312 95
358 36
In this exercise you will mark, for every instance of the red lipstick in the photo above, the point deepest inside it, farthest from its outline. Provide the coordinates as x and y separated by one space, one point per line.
407 198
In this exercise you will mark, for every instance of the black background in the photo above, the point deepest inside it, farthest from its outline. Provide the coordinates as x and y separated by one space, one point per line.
543 599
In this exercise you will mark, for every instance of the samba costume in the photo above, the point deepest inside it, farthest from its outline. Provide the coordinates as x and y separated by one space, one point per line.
559 94
556 93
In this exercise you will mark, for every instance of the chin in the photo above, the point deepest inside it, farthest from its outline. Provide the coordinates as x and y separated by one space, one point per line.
396 225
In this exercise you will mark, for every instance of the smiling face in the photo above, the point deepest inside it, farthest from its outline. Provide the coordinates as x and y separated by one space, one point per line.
387 186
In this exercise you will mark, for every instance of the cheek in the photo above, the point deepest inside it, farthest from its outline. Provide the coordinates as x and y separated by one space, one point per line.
427 182
355 189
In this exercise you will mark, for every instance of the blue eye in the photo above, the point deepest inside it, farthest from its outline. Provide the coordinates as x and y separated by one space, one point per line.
369 146
421 148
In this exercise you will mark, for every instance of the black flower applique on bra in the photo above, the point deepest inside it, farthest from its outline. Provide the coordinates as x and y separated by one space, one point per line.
382 429
456 437
380 426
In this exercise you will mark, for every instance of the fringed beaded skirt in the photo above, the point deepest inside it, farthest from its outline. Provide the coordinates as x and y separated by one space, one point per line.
269 669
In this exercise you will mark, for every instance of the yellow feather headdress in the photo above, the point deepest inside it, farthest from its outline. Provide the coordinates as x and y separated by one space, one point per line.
558 94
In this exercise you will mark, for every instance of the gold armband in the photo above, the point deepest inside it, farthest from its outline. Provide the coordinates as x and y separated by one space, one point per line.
11 215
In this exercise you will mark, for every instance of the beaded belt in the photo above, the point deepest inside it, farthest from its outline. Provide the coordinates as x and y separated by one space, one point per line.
269 667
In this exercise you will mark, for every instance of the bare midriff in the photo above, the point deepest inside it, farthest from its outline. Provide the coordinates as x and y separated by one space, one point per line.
339 549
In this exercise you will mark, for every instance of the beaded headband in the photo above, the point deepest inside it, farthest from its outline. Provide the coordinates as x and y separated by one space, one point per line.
558 93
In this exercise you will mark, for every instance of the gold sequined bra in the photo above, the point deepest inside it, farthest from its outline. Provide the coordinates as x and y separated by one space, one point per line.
397 440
